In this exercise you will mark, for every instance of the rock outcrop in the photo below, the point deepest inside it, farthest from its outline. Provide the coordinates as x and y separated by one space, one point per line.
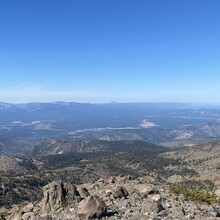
59 196
54 197
116 198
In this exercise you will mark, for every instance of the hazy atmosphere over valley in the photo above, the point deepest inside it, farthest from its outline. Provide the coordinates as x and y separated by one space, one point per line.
109 110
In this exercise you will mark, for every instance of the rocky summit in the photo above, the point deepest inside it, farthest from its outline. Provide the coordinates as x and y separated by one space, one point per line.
120 197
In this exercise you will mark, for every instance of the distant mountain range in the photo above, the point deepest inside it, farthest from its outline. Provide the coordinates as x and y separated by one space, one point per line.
171 124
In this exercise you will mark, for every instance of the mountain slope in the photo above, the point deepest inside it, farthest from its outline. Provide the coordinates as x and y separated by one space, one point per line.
204 158
54 146
14 165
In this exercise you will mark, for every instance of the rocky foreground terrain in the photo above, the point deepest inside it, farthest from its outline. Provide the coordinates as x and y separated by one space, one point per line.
121 197
156 183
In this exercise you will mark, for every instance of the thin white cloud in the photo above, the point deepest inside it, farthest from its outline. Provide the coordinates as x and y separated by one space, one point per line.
33 93
23 93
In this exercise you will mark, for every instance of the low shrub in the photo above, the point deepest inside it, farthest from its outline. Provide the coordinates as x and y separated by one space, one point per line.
195 194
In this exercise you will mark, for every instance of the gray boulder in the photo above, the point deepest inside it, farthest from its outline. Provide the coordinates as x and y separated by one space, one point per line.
119 192
91 207
143 190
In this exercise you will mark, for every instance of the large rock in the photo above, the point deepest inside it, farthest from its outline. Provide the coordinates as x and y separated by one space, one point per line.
156 198
213 212
16 217
83 192
152 207
29 207
28 215
91 207
58 195
119 192
144 190
54 196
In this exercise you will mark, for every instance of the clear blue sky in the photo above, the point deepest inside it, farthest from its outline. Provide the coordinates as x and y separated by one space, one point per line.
110 50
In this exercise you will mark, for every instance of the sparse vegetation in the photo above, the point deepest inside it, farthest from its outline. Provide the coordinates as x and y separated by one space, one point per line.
199 192
108 158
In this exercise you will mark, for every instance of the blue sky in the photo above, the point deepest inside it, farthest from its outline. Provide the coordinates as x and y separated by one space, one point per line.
110 50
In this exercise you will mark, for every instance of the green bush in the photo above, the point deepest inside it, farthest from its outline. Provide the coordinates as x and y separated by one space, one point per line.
194 194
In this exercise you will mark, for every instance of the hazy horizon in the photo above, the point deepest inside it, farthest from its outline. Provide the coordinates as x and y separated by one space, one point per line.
105 51
183 104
